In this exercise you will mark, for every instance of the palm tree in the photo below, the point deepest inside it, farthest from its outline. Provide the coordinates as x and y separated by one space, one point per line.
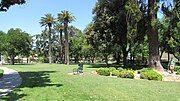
59 27
66 17
48 20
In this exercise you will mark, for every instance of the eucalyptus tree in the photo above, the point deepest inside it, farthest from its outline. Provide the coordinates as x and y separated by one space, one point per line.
48 21
66 17
117 21
154 57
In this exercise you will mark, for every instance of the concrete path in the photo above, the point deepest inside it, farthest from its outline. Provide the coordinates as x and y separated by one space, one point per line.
10 80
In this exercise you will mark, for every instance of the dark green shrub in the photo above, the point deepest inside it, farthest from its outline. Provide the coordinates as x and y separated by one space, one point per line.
150 75
126 74
103 71
1 73
115 73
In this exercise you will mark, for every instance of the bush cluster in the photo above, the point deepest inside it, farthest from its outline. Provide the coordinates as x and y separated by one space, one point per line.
150 75
103 71
111 69
115 73
126 74
146 73
120 72
1 73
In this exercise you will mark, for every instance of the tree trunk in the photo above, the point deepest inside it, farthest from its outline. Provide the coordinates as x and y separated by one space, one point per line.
27 60
92 58
154 57
50 45
117 57
168 57
76 59
66 43
125 54
106 59
12 59
61 46
162 53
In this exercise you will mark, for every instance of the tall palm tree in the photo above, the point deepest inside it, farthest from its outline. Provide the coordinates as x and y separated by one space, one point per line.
59 27
48 20
66 17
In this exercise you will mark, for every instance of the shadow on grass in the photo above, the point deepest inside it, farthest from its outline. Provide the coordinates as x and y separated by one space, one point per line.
13 96
37 79
31 80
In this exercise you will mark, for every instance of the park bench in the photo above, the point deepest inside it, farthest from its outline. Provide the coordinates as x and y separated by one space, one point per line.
79 69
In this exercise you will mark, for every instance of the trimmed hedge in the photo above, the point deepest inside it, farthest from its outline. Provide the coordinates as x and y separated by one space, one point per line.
126 74
1 73
103 71
150 75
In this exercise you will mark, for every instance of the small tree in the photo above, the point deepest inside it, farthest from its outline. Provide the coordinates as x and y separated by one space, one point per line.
16 43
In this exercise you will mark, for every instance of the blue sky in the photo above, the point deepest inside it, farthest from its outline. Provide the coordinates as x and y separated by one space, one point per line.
27 16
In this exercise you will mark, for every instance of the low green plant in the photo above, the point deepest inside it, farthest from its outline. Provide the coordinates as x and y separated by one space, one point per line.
111 69
150 75
145 69
1 73
120 69
177 68
103 71
115 73
126 74
178 72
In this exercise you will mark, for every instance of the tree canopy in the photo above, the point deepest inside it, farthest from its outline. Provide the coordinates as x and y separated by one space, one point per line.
5 4
15 42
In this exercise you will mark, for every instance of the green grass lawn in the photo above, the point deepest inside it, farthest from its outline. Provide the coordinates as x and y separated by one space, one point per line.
1 73
43 82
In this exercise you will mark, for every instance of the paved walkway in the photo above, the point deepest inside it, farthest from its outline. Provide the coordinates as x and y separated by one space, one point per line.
10 80
171 77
